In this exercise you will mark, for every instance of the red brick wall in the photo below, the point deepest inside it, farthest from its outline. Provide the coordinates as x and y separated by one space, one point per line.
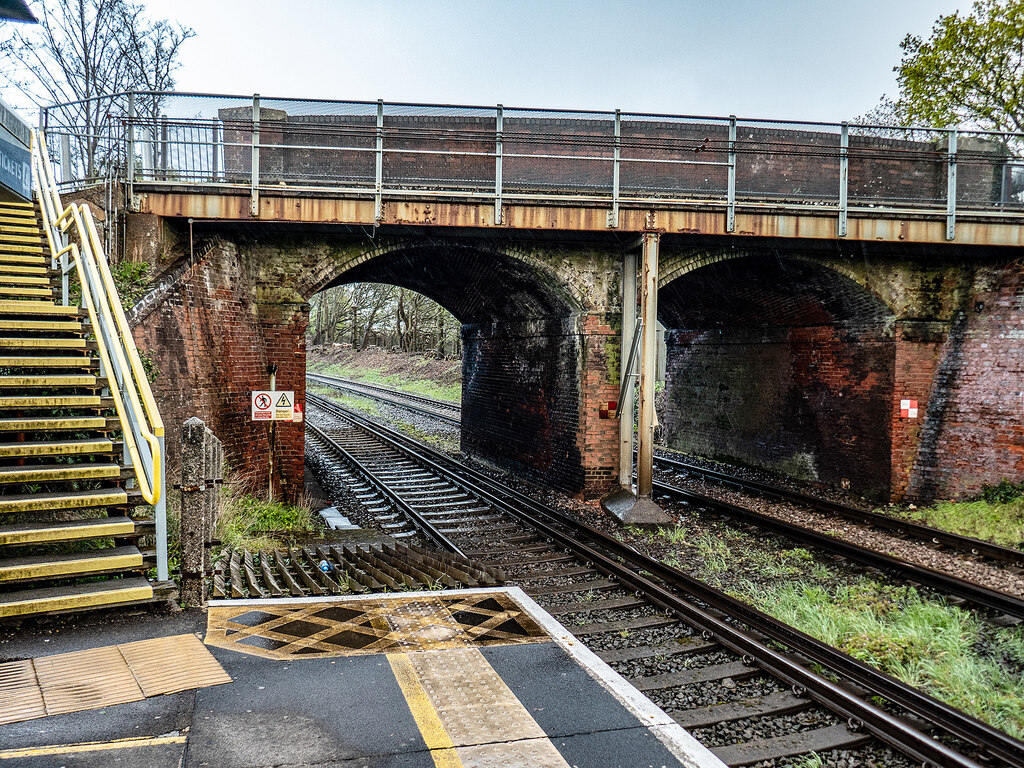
211 346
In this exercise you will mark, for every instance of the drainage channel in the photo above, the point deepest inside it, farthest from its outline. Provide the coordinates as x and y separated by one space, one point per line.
676 639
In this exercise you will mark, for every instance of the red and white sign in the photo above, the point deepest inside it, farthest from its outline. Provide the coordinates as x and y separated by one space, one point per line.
908 409
274 405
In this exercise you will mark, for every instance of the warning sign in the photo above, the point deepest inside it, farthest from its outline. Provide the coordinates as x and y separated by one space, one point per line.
275 406
908 409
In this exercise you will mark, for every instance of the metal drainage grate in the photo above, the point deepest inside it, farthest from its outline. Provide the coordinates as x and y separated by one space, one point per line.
321 570
372 625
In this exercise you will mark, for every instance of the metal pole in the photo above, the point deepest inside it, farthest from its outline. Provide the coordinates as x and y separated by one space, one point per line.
613 215
844 177
648 362
65 158
379 170
626 377
131 150
730 213
951 188
162 573
254 191
499 128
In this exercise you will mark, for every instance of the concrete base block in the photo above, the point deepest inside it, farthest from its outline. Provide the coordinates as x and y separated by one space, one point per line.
632 510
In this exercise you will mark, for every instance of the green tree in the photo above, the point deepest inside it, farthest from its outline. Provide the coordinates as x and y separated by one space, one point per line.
970 71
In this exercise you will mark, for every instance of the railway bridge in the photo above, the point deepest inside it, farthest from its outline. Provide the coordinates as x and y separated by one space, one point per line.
842 303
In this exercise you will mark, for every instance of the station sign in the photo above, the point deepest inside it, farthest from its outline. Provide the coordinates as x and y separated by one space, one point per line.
15 156
275 405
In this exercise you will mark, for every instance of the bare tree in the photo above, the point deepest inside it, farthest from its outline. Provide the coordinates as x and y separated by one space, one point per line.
82 51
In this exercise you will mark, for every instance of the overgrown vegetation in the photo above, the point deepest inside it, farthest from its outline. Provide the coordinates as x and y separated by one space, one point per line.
916 638
132 281
254 524
378 375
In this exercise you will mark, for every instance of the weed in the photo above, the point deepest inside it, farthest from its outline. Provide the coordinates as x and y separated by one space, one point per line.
250 523
677 535
993 520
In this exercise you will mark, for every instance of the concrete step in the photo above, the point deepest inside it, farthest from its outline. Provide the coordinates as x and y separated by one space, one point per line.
44 502
47 361
27 236
32 308
73 530
33 260
14 278
75 597
58 424
22 248
42 269
96 561
27 291
56 380
44 342
24 402
23 228
55 473
55 448
22 325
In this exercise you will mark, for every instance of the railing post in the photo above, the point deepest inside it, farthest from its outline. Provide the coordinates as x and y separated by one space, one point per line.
844 177
162 572
951 187
130 149
499 128
254 191
730 212
613 214
378 203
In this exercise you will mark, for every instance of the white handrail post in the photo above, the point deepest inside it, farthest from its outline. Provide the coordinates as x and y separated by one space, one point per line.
844 177
613 214
254 191
499 128
951 187
130 149
378 203
730 211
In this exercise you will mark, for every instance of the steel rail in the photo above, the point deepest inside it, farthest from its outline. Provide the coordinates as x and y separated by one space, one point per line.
603 550
355 387
918 531
427 528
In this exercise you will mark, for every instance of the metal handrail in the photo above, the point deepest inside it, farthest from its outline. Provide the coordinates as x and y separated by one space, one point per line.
141 425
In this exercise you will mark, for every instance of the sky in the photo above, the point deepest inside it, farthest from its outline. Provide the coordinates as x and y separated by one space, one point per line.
786 59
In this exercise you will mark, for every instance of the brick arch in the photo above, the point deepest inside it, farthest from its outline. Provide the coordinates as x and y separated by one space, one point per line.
474 281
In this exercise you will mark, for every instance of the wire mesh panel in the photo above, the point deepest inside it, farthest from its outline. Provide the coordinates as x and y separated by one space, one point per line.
673 156
791 162
86 139
565 153
989 170
439 147
897 166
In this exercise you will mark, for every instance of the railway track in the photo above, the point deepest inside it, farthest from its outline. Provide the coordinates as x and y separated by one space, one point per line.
710 660
428 406
1004 607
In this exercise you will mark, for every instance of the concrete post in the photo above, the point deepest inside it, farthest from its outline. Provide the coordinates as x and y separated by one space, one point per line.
193 512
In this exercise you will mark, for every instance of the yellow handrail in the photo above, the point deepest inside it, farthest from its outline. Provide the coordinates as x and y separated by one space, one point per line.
105 312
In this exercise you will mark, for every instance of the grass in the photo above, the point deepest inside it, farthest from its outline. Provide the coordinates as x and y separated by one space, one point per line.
254 524
450 392
998 522
922 642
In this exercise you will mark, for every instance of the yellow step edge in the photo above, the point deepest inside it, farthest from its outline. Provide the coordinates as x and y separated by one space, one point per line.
21 269
20 230
42 569
82 380
43 502
16 258
70 448
38 342
56 423
59 472
85 529
17 204
18 221
70 361
25 280
19 248
71 601
30 238
46 292
52 401
35 308
41 325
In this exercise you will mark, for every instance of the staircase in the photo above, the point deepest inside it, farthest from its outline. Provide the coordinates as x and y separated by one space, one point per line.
68 540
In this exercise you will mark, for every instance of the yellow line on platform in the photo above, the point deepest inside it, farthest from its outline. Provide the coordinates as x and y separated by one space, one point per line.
92 746
442 750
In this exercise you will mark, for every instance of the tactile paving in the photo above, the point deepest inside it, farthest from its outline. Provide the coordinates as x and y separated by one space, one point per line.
104 677
367 626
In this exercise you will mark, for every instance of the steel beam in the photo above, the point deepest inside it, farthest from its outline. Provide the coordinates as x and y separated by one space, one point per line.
626 400
648 362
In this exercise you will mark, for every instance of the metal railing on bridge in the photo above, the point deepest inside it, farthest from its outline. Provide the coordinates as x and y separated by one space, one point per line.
513 155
